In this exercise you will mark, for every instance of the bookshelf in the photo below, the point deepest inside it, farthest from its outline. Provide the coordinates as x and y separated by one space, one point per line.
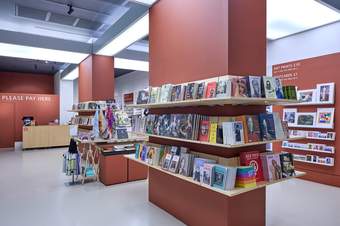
224 145
231 193
310 150
217 101
315 163
83 110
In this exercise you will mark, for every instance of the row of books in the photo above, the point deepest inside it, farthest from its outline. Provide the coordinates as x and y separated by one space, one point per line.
312 134
223 130
222 87
82 120
91 105
309 146
329 161
255 167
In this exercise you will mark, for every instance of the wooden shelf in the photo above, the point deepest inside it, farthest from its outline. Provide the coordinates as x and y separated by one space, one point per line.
113 141
317 163
218 101
83 110
307 104
224 145
309 127
310 150
230 193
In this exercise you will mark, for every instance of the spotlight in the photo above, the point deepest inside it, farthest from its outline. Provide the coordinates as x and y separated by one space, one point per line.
70 9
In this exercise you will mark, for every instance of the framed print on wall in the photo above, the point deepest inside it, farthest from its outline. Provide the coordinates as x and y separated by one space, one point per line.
325 93
307 96
325 118
289 115
305 119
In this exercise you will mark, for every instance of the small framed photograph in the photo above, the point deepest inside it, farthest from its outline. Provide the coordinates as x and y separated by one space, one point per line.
306 96
325 118
289 116
325 93
305 119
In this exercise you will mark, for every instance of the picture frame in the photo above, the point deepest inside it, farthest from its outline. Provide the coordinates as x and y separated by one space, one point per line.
305 119
289 115
325 118
307 95
325 93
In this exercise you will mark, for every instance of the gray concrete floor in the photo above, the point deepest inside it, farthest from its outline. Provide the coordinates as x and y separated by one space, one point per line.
33 193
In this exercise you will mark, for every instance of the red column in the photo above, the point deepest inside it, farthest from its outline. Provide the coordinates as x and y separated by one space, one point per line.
96 78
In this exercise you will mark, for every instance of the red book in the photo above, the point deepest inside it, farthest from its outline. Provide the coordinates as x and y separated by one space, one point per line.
204 131
253 158
211 90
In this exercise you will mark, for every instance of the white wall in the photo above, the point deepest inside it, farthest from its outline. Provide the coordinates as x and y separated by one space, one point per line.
131 82
66 100
317 42
75 91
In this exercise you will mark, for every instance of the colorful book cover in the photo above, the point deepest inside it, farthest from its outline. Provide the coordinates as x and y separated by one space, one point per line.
206 173
200 90
253 159
191 91
204 131
165 125
287 166
211 90
255 86
269 86
198 166
175 92
174 164
213 132
267 126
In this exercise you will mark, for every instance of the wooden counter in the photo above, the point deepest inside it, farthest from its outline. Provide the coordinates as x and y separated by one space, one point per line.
45 136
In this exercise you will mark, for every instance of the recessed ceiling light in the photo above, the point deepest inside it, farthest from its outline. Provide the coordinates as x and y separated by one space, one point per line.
286 17
74 74
135 32
35 53
136 65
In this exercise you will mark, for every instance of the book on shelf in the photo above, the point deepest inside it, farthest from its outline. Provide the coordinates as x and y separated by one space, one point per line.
165 93
224 177
278 89
239 86
200 90
253 158
154 94
223 88
252 132
267 126
287 165
204 130
233 133
213 132
143 96
245 177
191 91
122 133
255 86
211 90
271 166
207 174
198 166
268 84
177 93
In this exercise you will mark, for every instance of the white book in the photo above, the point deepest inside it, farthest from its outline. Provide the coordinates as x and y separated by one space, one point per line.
165 93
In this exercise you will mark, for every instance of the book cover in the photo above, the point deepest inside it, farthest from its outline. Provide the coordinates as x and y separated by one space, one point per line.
279 131
269 87
184 163
174 164
204 131
253 158
219 177
165 125
212 132
211 90
191 91
207 173
165 93
231 177
122 133
175 93
271 166
223 89
267 126
198 166
200 90
252 132
185 126
255 86
239 86
238 132
278 89
143 96
287 166
154 94
167 161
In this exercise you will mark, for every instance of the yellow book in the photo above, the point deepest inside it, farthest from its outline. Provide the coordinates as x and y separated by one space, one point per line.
248 185
213 132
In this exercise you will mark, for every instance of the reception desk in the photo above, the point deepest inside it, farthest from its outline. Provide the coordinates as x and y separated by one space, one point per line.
45 136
